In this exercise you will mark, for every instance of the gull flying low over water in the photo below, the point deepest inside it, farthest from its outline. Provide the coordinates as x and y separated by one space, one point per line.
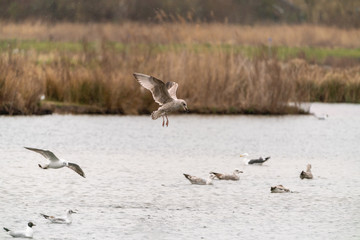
257 161
279 189
233 177
27 233
306 174
67 219
163 94
56 162
200 181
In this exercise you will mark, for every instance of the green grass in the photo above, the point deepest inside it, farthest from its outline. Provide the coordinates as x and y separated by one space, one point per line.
281 52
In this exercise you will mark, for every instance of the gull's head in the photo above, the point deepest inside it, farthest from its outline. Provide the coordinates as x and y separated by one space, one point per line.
212 176
69 211
244 155
237 171
184 105
308 167
30 224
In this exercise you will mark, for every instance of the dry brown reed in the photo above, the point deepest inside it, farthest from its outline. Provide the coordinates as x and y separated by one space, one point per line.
183 32
218 81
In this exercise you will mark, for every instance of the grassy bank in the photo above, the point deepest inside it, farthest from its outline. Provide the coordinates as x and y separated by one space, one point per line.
90 76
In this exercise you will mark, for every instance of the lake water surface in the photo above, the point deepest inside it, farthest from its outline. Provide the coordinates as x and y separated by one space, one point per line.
135 188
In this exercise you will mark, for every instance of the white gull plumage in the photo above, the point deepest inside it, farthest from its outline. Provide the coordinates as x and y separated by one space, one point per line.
56 162
67 219
27 233
163 94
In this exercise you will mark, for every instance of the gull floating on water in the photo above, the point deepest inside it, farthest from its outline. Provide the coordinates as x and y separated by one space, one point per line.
279 189
258 161
163 94
200 181
56 162
306 174
67 219
322 117
27 233
234 176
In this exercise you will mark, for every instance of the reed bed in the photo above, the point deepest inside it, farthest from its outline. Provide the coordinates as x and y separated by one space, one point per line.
185 32
217 81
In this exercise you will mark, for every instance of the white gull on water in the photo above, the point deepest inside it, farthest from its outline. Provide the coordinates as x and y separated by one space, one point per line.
234 176
56 162
67 219
27 233
257 161
163 94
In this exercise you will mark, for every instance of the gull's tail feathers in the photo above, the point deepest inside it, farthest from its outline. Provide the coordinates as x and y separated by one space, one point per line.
217 175
187 175
155 115
45 216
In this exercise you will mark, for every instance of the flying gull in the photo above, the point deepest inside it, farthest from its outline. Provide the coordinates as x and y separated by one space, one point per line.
258 161
27 233
67 219
163 94
234 176
279 189
56 162
306 174
200 181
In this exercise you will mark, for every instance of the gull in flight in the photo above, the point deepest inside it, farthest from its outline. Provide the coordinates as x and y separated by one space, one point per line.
233 177
279 189
258 161
164 94
306 174
67 219
200 181
56 162
27 233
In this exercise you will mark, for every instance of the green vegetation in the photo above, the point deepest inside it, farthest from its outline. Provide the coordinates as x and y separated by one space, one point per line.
316 54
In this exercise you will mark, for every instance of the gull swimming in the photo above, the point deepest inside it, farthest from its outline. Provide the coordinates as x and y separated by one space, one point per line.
306 174
322 117
234 176
200 181
27 233
67 219
163 94
279 189
56 162
257 161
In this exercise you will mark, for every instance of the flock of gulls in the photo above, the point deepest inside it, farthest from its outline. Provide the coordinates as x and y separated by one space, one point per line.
165 95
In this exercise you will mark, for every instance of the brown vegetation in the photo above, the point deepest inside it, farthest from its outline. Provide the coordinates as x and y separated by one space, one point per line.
216 81
99 79
182 32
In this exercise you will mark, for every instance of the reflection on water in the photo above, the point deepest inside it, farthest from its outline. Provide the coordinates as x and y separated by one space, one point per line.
135 188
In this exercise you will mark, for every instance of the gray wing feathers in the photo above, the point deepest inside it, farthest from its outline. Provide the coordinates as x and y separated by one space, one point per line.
172 88
76 168
157 87
47 154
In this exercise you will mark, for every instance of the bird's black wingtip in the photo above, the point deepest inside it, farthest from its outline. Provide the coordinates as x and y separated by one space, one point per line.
6 229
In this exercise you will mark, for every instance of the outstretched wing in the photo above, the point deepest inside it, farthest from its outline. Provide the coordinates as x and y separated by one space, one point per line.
172 87
76 168
47 154
157 88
